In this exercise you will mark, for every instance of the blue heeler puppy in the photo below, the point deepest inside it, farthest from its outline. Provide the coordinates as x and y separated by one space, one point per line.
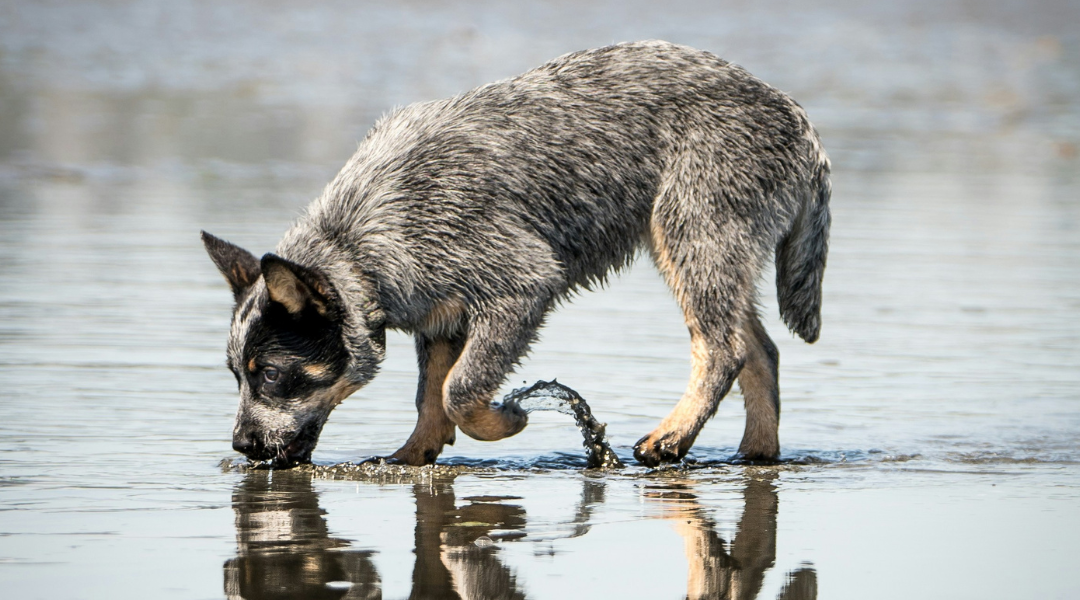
464 221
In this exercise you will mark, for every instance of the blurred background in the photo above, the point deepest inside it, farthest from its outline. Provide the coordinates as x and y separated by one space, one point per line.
951 341
197 90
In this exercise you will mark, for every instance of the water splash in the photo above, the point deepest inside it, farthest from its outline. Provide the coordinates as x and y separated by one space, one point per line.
552 395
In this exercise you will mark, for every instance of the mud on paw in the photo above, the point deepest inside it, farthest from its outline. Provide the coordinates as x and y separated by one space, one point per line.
653 450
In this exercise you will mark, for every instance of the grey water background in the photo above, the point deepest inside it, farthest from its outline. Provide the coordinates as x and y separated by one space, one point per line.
931 434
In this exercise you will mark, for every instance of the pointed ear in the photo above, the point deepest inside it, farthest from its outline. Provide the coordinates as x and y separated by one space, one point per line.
240 267
296 287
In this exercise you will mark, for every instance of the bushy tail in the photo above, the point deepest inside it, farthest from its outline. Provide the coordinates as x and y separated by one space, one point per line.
800 258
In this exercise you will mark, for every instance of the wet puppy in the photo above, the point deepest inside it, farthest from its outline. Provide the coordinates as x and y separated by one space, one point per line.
464 221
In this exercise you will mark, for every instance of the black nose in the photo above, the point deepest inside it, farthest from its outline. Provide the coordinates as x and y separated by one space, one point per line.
243 443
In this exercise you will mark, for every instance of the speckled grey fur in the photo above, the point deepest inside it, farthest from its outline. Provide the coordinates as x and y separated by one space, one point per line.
468 219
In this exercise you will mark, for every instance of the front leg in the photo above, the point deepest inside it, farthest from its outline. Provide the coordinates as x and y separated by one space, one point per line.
436 356
495 344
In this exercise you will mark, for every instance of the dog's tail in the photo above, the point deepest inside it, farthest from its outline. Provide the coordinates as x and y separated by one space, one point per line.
800 255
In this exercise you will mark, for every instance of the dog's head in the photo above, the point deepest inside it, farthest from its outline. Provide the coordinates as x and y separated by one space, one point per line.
289 350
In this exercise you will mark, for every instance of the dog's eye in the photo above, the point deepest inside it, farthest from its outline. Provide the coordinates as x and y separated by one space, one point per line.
270 374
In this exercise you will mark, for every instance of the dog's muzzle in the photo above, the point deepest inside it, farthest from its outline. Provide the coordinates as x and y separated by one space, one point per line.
298 450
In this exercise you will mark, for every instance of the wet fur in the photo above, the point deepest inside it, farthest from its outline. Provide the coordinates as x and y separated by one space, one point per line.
465 220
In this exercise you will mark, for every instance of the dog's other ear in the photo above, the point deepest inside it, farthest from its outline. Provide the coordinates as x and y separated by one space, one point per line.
240 267
296 287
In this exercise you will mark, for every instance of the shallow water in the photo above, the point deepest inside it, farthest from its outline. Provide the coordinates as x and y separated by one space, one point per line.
929 439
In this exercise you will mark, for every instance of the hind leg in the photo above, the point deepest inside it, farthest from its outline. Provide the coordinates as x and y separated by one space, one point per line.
715 362
712 275
761 391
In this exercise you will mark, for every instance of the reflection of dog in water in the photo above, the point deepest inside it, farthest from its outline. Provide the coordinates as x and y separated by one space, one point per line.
284 549
733 572
465 221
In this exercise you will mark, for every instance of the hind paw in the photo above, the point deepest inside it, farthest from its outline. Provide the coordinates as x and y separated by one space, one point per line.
755 458
758 450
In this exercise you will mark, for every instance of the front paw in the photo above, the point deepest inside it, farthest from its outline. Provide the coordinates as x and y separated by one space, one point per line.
414 456
514 417
494 423
654 449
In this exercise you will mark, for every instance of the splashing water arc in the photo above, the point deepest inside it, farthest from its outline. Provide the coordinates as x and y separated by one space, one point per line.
552 395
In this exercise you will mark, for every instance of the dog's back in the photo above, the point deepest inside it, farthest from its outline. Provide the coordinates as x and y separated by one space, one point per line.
545 182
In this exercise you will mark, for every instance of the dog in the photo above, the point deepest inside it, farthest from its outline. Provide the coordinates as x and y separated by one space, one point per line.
464 221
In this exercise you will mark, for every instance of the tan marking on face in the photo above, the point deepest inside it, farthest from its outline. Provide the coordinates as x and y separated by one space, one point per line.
335 394
251 365
444 318
316 371
276 425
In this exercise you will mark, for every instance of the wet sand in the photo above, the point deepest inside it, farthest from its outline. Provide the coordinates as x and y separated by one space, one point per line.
929 438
